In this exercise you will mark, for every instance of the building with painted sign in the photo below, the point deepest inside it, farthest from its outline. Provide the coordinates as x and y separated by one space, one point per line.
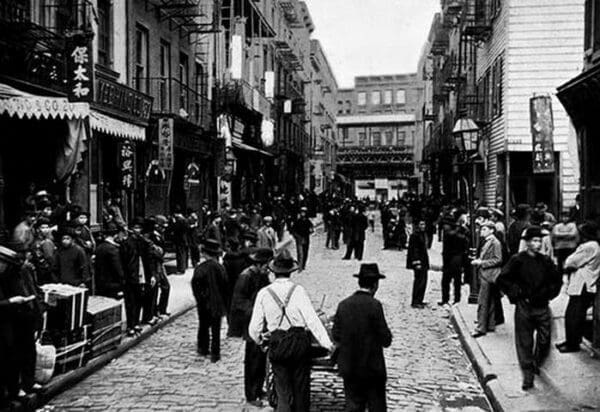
376 126
497 62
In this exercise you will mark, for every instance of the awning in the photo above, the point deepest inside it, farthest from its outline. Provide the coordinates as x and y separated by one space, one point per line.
242 146
18 103
115 127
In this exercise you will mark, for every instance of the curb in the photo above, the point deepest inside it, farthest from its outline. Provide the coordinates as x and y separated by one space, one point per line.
481 364
69 379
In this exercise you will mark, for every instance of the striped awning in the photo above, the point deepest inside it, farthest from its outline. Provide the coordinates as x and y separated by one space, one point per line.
17 103
115 127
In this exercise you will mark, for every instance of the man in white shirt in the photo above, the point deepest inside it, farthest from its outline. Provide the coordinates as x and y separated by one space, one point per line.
292 379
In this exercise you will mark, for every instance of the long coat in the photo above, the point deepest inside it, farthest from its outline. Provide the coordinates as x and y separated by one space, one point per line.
250 281
209 284
417 251
358 227
110 276
361 331
491 259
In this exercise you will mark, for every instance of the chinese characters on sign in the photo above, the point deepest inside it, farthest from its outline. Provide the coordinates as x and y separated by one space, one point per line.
165 143
542 128
79 68
127 166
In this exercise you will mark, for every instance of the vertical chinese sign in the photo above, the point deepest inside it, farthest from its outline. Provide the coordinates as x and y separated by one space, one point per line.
165 143
127 166
542 128
80 70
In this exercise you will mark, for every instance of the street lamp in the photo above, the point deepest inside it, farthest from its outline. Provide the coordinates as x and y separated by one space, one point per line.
466 140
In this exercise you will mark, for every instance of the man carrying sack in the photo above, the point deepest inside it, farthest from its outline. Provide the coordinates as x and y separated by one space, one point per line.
289 316
361 332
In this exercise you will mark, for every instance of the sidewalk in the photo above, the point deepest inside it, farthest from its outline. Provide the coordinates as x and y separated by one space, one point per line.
566 382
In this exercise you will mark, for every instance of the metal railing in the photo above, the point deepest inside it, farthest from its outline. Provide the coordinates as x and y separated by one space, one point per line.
171 96
240 92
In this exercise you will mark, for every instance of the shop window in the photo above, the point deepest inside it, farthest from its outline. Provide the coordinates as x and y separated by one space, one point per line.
400 96
387 97
376 139
141 59
104 12
184 75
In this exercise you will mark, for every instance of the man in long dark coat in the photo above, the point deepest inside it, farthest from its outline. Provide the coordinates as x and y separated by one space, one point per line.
361 331
209 285
417 259
110 276
250 281
357 235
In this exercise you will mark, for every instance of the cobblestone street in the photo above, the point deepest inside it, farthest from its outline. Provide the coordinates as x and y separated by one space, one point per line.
427 368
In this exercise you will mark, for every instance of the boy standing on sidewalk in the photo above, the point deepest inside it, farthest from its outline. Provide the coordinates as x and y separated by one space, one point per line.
531 280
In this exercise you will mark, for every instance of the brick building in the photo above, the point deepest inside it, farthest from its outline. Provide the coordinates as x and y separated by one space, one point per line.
377 130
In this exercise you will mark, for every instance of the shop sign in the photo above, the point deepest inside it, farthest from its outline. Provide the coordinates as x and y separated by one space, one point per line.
542 128
80 68
122 100
127 166
165 143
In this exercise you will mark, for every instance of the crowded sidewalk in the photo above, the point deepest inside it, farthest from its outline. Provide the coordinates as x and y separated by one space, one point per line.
566 382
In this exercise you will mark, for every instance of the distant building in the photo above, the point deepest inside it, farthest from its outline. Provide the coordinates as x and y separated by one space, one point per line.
377 130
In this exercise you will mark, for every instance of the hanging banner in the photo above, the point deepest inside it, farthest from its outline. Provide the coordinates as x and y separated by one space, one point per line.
80 70
542 128
236 57
165 143
126 166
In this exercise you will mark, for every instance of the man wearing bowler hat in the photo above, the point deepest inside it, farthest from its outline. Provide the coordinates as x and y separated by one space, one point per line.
530 280
209 285
250 281
361 332
285 306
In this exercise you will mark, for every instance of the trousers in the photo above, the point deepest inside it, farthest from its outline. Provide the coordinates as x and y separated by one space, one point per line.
255 369
292 385
363 394
133 304
533 327
181 257
209 333
356 246
486 307
20 362
419 286
149 306
451 274
575 317
302 247
164 287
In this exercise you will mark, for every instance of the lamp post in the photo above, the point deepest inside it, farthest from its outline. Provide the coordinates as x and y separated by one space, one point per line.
466 140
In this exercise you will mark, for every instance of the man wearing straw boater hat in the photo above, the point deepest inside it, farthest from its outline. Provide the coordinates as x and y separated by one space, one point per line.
209 285
289 316
250 281
361 332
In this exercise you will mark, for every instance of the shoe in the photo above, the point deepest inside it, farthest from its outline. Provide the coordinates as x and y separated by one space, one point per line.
137 328
345 258
477 334
131 332
256 403
215 358
527 384
536 370
165 314
564 347
442 303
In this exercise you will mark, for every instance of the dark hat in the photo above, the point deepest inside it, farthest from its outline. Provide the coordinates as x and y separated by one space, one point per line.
162 220
483 212
149 224
66 231
531 232
8 255
41 221
261 255
369 270
588 230
448 219
522 210
283 263
137 221
211 247
250 235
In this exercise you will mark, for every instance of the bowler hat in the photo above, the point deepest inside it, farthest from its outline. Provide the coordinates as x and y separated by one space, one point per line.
369 270
531 232
261 255
283 263
588 230
211 247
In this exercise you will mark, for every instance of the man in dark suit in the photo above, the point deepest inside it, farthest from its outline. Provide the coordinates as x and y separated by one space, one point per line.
417 259
356 242
361 332
110 276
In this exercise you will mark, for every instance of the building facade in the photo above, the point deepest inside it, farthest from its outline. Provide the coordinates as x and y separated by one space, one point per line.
376 133
323 108
492 60
580 99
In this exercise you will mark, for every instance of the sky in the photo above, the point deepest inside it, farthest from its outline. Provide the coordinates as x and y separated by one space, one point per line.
362 37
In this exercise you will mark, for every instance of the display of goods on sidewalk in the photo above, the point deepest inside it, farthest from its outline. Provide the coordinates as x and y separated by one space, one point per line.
66 306
105 318
72 352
